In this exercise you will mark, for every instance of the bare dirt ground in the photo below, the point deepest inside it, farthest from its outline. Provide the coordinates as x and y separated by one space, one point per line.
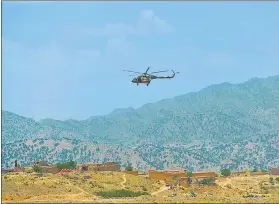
82 188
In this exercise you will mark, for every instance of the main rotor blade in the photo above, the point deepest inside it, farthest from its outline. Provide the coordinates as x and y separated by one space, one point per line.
131 71
147 70
159 72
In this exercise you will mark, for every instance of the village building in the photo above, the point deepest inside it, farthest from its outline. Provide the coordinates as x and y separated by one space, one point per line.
108 166
10 170
167 175
4 171
179 177
245 173
49 169
199 176
17 168
274 172
41 163
135 173
235 174
46 168
256 173
81 167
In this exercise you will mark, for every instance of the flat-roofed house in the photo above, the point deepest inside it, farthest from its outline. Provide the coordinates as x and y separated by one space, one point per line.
41 163
166 175
46 168
81 167
274 171
256 173
108 166
199 176
135 173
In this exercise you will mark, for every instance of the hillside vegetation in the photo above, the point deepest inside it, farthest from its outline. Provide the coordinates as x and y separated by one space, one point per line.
222 126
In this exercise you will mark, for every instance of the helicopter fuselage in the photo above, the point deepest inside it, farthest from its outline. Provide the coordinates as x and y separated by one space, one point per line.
141 80
146 78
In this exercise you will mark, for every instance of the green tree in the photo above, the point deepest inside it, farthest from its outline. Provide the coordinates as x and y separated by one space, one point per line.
207 181
67 165
271 180
129 168
38 169
277 179
189 174
72 164
226 172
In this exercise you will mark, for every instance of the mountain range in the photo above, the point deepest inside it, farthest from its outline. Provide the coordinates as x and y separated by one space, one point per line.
226 125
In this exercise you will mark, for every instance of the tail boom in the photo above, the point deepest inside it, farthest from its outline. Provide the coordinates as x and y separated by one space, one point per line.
164 77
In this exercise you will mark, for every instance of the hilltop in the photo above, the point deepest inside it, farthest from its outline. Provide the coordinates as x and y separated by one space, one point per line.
225 125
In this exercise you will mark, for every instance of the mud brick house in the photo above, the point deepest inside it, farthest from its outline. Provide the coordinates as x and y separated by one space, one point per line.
41 163
18 168
135 173
199 176
274 172
245 173
49 169
4 171
45 167
256 173
167 175
108 166
82 167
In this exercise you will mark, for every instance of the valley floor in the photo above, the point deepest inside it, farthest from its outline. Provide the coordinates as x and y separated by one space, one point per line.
83 188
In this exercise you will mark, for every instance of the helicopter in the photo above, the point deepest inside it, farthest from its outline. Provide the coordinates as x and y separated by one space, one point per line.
145 78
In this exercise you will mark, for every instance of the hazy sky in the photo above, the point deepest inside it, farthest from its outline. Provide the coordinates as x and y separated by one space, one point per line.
65 59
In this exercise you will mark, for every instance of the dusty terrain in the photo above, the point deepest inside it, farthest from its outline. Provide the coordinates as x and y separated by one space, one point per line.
83 187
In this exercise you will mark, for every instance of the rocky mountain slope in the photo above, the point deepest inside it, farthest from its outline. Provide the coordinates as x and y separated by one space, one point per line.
225 125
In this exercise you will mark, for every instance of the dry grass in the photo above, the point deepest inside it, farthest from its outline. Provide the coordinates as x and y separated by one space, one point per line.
83 187
73 186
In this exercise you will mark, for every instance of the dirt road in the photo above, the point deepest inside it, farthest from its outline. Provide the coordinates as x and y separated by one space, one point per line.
162 189
124 181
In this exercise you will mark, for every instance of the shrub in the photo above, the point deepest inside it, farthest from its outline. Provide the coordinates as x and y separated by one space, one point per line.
67 165
120 193
144 189
277 179
129 168
225 172
38 169
207 181
271 180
